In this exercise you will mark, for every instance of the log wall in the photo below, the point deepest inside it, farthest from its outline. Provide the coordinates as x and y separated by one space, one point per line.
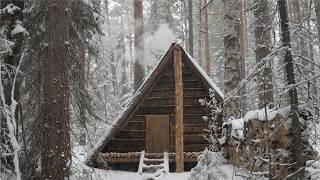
161 101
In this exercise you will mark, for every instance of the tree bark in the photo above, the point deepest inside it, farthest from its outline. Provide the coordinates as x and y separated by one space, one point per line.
317 10
232 76
11 61
263 46
243 54
138 44
190 7
296 129
56 140
206 37
179 109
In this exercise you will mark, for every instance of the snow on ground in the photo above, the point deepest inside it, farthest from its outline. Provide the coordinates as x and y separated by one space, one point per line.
98 174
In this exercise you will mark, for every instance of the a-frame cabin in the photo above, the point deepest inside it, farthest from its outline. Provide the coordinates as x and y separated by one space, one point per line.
164 115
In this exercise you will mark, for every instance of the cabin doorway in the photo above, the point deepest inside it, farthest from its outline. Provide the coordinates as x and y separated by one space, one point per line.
157 139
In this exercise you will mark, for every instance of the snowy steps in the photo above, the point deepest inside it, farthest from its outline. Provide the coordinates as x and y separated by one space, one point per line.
153 167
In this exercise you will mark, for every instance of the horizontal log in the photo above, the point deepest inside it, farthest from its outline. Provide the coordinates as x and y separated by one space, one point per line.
186 77
186 84
169 92
122 150
138 119
151 101
193 129
129 134
160 110
125 145
185 70
194 119
192 147
115 157
135 125
190 139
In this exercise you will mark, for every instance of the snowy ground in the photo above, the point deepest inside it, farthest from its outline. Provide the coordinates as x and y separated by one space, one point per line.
98 174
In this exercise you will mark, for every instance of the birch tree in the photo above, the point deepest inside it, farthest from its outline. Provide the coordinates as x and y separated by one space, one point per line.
232 55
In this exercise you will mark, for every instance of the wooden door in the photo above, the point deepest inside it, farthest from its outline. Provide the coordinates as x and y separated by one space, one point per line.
157 139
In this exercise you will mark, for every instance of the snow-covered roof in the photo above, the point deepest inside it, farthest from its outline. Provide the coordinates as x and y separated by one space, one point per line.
138 96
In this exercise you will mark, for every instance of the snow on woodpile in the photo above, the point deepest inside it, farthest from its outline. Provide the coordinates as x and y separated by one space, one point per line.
250 141
237 127
271 114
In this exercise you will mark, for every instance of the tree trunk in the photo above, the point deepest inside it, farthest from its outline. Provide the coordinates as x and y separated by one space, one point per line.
56 140
296 130
232 76
82 93
200 33
317 9
243 55
11 62
263 45
138 44
206 37
190 7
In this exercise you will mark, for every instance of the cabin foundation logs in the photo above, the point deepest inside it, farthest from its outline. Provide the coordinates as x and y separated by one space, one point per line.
252 152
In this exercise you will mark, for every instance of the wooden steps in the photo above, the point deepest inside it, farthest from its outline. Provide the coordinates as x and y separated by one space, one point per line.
154 166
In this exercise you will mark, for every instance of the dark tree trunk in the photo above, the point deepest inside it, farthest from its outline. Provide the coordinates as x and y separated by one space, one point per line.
138 43
263 45
56 141
296 129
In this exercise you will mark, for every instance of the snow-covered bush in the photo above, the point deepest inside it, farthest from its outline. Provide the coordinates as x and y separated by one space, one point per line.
214 125
209 167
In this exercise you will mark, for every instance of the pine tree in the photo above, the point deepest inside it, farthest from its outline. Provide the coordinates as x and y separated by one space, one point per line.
56 140
263 49
296 129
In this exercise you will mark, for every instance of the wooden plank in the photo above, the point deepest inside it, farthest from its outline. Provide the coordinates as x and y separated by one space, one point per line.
169 92
194 147
157 135
190 139
162 110
186 84
125 145
194 128
186 77
179 109
135 125
189 101
138 119
194 119
128 134
114 157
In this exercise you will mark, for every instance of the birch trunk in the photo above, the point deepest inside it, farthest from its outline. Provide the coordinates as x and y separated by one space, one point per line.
232 76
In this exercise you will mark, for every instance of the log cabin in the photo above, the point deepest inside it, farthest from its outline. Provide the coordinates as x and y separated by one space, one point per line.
164 115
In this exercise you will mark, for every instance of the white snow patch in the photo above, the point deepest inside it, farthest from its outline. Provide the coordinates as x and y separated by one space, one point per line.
18 28
271 114
237 127
10 8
